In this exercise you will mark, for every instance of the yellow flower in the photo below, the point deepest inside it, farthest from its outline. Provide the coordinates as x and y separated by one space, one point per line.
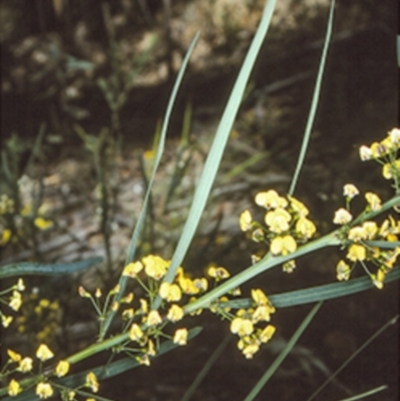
42 223
62 368
270 200
44 390
132 269
259 297
14 356
305 227
298 207
5 236
144 307
135 332
370 229
92 382
83 293
342 216
175 313
378 279
153 318
342 271
150 348
365 153
128 314
267 333
350 191
219 273
394 136
13 388
241 326
44 353
249 350
201 284
15 301
6 320
170 292
390 170
245 220
20 286
378 150
356 234
180 336
373 201
155 266
262 314
289 266
283 245
278 220
356 252
25 365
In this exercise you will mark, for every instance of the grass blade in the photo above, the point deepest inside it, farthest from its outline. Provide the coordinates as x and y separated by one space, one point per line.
46 269
314 103
217 149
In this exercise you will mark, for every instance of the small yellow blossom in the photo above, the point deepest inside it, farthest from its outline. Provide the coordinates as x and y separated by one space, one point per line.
249 350
378 150
135 332
143 360
305 227
356 234
42 223
370 229
155 266
373 201
365 153
44 390
391 170
132 269
262 314
92 382
267 333
241 326
270 200
278 220
259 297
175 313
62 368
144 306
298 207
378 279
350 191
356 252
219 273
342 216
5 236
245 220
128 313
289 266
170 292
283 245
83 293
20 286
394 136
25 365
180 336
201 284
153 318
258 235
15 301
342 271
97 293
14 356
71 396
6 320
44 353
151 351
13 388
128 299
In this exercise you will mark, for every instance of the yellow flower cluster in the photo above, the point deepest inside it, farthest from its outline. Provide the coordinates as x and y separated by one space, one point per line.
44 388
145 325
244 324
285 223
385 153
363 240
14 301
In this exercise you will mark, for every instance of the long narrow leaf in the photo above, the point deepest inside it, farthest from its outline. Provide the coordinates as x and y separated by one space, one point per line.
46 269
314 103
217 149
